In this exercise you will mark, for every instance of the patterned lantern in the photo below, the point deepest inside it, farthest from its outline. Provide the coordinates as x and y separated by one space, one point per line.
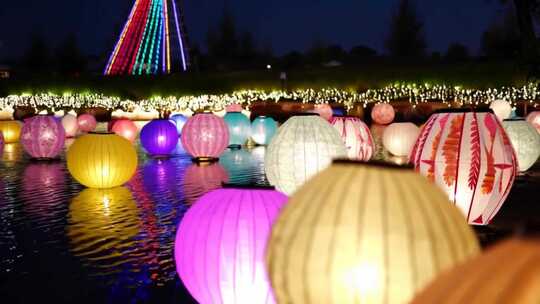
205 136
200 179
179 121
159 137
86 122
534 119
526 142
356 136
501 108
239 128
383 113
11 130
125 128
101 160
324 110
43 136
70 124
399 138
303 146
220 243
506 273
364 233
263 129
469 155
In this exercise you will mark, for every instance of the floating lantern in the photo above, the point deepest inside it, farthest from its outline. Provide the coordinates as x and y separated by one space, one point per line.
364 233
501 108
383 113
220 243
303 146
125 128
179 121
505 273
102 160
239 128
534 119
525 140
263 129
399 138
43 136
86 122
70 124
205 136
469 155
200 179
159 137
355 135
11 130
234 108
324 110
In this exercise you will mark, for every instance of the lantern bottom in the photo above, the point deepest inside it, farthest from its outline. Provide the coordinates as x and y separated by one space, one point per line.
204 160
235 147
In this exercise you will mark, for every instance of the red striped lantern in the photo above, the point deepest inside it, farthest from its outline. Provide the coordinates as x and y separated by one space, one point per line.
43 136
205 136
356 135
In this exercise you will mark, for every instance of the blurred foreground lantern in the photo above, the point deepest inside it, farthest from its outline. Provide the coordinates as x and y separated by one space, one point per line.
501 108
70 124
263 129
102 160
304 145
470 157
1 142
534 119
399 138
86 122
200 179
324 110
11 130
383 113
159 137
43 136
220 243
364 233
205 136
239 128
125 128
525 140
179 121
356 136
508 272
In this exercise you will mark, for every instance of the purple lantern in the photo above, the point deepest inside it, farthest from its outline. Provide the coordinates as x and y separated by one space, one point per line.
220 245
159 137
43 136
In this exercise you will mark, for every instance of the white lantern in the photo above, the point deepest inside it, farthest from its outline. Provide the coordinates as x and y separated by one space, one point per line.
501 108
399 138
304 145
525 140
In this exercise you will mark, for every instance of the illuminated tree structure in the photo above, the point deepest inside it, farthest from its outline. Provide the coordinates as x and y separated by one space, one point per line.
153 40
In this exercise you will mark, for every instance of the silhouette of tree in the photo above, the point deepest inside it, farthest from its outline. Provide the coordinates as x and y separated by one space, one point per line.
406 39
37 59
457 52
529 46
69 58
501 39
361 53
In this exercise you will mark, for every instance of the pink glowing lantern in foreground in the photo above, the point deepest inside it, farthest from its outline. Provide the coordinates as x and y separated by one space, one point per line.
220 245
234 108
205 136
43 136
534 119
469 156
125 128
383 113
87 122
356 135
70 124
324 110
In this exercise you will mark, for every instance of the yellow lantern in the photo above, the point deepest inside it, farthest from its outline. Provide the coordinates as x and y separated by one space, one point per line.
11 130
365 233
102 160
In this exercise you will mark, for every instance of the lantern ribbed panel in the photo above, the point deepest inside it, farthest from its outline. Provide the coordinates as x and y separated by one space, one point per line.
220 245
43 136
239 128
506 273
205 135
470 157
159 137
356 136
534 119
303 146
263 129
399 138
364 234
11 130
525 140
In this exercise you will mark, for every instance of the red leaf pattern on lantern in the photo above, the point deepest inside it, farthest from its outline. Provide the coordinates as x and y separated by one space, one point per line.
451 149
416 153
474 172
489 177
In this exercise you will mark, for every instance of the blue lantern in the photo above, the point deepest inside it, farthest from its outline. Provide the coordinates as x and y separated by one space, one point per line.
239 128
263 129
179 121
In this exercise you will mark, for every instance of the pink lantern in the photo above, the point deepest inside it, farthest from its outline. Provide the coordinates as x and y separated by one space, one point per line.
356 135
470 157
200 179
43 136
205 136
534 119
234 108
220 245
87 122
125 128
324 110
70 124
383 113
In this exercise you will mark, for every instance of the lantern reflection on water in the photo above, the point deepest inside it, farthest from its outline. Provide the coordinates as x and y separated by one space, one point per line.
202 178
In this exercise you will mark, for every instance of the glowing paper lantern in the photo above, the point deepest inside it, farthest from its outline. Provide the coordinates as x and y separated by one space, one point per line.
200 179
43 137
501 108
234 108
383 113
364 233
303 146
125 128
86 122
525 140
470 157
506 273
399 138
1 142
263 129
205 136
220 243
239 128
101 160
324 110
11 130
356 136
534 119
70 124
159 137
179 121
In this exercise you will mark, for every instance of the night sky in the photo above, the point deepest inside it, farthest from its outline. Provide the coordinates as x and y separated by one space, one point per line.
285 24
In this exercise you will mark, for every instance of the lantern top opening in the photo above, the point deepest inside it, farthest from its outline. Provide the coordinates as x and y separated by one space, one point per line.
247 186
101 133
463 110
515 119
305 114
377 164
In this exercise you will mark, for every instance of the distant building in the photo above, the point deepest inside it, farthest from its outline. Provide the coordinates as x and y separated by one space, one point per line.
5 72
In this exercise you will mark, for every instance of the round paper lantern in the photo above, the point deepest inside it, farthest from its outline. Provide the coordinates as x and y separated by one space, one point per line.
324 110
159 137
11 130
501 108
125 128
234 108
220 243
356 136
101 160
86 122
399 138
508 272
470 157
364 233
383 113
70 124
534 119
205 136
303 146
1 142
43 136
263 129
239 128
179 121
200 179
525 140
